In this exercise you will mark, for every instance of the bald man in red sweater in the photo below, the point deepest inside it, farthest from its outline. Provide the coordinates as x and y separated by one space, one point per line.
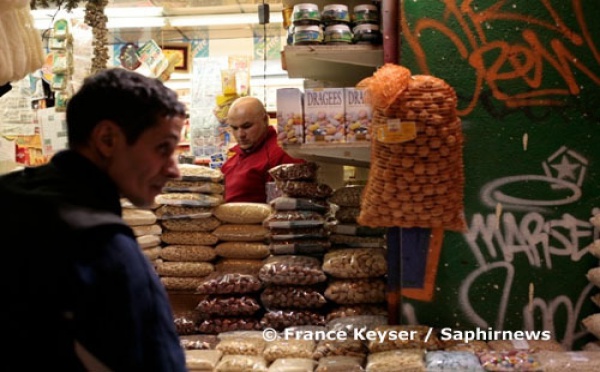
247 171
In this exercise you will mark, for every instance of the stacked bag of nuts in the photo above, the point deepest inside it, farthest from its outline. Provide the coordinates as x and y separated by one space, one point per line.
356 262
186 215
293 275
145 227
592 322
416 177
230 296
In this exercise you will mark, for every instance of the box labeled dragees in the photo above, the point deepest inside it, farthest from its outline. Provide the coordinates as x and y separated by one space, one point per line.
358 115
290 116
324 118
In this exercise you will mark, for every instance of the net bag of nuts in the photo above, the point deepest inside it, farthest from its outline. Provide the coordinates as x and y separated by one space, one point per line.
416 177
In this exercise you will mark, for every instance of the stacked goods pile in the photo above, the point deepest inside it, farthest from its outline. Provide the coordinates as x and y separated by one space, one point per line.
416 177
295 350
293 277
592 322
145 228
357 259
229 296
242 237
297 225
187 255
292 295
228 302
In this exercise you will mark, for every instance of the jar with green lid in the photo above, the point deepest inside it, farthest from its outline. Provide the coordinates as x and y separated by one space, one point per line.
366 13
334 14
307 35
338 34
367 33
306 14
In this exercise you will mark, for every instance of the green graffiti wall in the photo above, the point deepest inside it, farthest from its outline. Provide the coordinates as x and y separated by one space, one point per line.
527 74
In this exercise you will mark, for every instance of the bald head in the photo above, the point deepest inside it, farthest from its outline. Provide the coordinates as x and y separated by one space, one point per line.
247 106
248 121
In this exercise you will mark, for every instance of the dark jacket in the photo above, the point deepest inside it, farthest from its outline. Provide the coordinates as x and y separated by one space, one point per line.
75 275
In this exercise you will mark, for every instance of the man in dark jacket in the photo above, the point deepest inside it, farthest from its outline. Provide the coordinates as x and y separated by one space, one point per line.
78 293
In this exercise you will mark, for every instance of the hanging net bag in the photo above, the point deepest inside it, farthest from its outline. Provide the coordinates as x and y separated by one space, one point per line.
416 177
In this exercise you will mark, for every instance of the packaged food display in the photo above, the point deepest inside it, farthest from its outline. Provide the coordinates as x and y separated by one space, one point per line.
366 13
335 14
338 34
306 14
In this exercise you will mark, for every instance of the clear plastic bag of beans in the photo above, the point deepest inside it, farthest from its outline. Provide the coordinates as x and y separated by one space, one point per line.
203 187
198 342
340 363
342 311
356 291
305 189
292 269
286 203
299 233
355 263
292 296
347 196
191 224
349 347
352 324
252 363
228 305
288 348
294 219
229 283
241 233
281 319
306 171
242 213
299 247
218 325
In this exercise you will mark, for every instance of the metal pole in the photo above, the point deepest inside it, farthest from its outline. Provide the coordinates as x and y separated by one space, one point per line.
390 19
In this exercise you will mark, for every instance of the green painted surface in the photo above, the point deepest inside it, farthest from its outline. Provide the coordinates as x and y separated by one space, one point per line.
527 74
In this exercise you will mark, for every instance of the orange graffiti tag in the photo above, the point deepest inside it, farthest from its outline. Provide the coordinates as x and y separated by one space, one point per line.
500 61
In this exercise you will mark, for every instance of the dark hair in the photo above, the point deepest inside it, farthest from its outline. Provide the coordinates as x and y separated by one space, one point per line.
133 101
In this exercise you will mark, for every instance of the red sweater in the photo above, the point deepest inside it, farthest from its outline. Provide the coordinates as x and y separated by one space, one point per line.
247 173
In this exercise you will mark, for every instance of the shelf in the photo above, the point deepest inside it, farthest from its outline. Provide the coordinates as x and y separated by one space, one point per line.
346 64
355 154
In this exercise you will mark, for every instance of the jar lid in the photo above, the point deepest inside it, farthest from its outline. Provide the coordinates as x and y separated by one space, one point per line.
338 27
335 7
307 28
363 7
366 27
306 6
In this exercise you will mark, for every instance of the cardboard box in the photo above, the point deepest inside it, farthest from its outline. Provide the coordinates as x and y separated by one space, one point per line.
324 119
290 117
359 116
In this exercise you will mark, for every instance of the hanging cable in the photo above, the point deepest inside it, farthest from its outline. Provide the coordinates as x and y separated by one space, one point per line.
263 19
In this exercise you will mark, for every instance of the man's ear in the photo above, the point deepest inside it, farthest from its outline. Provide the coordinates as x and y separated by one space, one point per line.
105 136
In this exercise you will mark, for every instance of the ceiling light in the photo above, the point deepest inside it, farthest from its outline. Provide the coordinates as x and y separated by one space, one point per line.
220 20
132 17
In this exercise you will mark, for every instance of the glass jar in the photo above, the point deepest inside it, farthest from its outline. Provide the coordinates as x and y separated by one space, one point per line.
366 13
338 34
367 33
334 14
306 14
307 35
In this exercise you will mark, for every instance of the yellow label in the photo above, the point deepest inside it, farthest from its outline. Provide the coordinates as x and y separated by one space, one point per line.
396 131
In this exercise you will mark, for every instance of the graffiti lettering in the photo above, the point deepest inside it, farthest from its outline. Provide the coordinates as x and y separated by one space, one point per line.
498 62
531 235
